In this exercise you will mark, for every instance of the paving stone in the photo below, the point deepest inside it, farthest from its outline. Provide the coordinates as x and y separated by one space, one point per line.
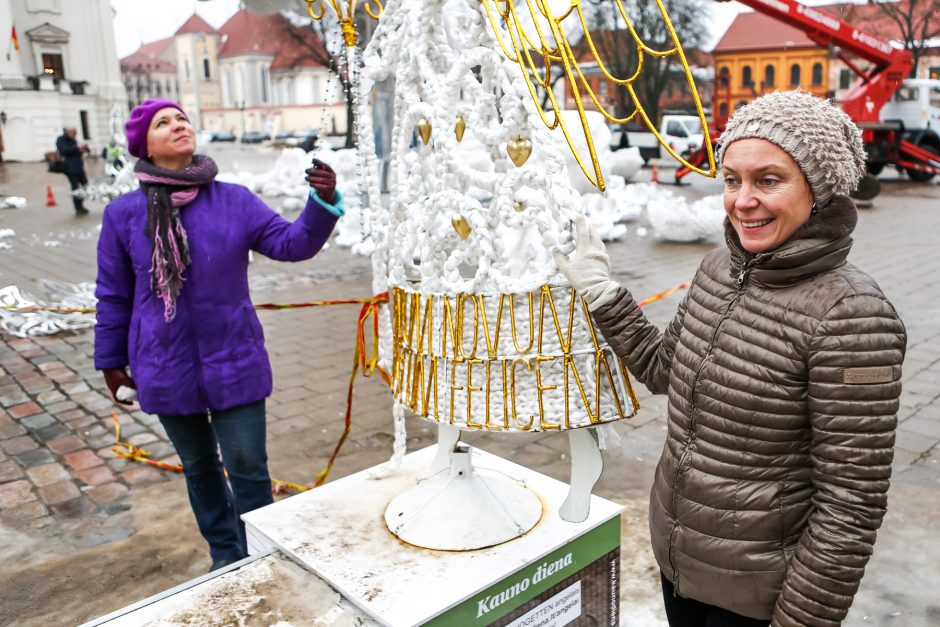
142 474
75 388
59 492
48 398
17 445
103 441
16 493
108 493
25 512
82 459
14 398
10 470
23 410
67 444
10 429
74 508
915 442
128 431
48 474
52 432
35 457
923 425
94 431
119 464
72 414
95 476
61 408
38 421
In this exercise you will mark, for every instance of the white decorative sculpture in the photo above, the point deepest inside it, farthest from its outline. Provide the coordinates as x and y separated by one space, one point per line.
481 332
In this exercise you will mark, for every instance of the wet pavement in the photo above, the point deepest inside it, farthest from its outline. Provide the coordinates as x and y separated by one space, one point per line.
63 492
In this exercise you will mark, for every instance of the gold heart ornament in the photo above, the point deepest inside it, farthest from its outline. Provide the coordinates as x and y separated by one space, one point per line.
424 130
519 149
461 226
460 127
518 206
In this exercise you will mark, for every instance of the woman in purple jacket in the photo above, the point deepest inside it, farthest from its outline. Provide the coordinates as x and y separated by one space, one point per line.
173 304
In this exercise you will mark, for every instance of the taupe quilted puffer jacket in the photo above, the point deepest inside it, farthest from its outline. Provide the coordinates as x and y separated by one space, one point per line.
783 374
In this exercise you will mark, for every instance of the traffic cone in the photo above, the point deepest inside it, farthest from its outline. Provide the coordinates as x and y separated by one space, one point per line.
50 197
655 178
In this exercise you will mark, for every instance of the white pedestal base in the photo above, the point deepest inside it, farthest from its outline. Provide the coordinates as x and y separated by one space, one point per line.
494 508
338 532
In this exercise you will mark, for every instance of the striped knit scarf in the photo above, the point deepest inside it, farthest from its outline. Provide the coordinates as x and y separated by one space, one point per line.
167 191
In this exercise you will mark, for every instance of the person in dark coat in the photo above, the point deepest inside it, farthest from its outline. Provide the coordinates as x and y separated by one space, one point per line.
71 152
173 304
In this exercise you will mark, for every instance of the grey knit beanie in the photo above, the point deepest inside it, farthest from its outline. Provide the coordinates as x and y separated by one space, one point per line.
822 139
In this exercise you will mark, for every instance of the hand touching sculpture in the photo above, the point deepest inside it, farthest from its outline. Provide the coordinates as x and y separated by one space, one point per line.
588 269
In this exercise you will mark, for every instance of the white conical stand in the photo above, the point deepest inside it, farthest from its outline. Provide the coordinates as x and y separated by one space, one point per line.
462 508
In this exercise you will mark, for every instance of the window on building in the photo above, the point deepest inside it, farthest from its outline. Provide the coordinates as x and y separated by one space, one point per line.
265 77
723 110
845 78
186 67
227 87
769 76
52 65
933 72
724 77
817 74
794 74
746 78
158 86
205 68
169 87
934 97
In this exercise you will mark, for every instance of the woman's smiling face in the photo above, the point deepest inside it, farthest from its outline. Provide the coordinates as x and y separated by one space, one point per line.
767 197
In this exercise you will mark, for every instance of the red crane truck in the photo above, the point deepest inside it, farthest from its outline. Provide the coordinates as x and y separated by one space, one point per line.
888 141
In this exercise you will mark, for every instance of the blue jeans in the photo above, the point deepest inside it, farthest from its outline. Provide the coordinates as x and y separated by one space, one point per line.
239 433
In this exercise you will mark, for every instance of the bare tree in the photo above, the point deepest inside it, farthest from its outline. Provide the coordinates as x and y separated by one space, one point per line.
320 41
619 52
916 20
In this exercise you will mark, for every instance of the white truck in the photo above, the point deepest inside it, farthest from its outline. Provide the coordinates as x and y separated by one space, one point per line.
682 132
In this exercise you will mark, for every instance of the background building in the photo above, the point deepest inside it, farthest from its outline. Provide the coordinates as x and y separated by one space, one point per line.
254 73
60 70
759 54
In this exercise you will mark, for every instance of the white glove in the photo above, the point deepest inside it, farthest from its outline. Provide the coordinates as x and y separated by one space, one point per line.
589 269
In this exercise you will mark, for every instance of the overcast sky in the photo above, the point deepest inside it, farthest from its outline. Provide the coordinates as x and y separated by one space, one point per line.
143 21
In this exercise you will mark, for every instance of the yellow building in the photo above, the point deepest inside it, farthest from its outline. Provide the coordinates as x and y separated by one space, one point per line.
759 54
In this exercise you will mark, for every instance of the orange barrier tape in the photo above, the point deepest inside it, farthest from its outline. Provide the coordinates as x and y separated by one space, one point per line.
663 294
365 358
268 306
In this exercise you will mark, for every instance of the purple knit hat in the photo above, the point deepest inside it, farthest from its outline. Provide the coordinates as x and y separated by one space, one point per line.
139 123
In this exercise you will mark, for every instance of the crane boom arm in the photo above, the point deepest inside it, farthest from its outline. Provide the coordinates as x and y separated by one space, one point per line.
889 65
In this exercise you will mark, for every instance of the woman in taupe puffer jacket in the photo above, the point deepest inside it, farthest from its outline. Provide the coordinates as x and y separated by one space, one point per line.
783 370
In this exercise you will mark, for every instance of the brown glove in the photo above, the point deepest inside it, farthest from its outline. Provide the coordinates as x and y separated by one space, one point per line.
115 378
323 179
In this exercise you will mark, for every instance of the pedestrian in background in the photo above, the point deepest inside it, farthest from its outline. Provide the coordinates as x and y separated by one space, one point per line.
72 153
173 304
783 372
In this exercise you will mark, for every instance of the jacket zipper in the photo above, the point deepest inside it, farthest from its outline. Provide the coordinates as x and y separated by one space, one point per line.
742 285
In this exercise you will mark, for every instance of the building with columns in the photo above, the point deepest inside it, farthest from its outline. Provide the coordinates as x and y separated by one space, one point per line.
61 70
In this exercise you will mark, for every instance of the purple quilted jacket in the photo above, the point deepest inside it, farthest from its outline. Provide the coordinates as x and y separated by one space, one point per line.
211 355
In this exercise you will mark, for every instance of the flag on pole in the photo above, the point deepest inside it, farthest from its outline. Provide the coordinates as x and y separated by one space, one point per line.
14 39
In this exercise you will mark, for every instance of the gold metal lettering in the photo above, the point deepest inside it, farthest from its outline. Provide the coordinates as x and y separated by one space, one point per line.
470 390
512 321
539 388
462 300
453 386
512 389
492 346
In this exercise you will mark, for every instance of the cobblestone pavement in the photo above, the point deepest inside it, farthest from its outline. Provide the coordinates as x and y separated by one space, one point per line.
63 491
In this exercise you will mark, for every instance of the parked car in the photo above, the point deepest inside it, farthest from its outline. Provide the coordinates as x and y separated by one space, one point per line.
303 138
222 136
682 132
283 135
254 137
